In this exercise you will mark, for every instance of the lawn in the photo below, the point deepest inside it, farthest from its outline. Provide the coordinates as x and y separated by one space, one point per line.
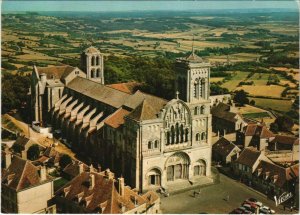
232 84
256 115
275 104
59 183
271 90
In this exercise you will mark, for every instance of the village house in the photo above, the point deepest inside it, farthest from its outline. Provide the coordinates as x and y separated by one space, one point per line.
73 169
25 187
225 151
272 179
254 135
247 162
99 192
226 119
21 146
283 143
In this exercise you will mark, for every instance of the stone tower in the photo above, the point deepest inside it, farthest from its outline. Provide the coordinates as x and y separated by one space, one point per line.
192 75
92 64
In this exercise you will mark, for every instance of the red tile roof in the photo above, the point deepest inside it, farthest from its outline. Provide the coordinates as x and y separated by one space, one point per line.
56 72
277 174
117 118
258 130
223 147
104 194
20 174
248 157
129 87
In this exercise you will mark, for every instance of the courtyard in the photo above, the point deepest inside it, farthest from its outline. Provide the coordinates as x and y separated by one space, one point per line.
213 199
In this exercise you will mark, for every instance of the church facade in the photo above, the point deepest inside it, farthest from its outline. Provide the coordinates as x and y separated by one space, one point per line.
151 141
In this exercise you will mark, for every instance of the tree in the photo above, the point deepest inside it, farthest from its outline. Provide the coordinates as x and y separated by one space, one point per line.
33 152
284 123
252 102
240 97
274 127
64 161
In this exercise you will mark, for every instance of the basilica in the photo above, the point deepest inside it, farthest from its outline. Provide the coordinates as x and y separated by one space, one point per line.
150 141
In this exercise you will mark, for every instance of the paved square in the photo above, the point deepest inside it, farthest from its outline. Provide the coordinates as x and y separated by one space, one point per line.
212 199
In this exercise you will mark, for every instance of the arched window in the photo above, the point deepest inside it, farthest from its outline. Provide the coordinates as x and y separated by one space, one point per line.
172 135
156 144
93 61
196 111
92 73
202 109
203 136
186 135
98 73
197 137
181 134
203 88
97 60
177 133
149 145
168 138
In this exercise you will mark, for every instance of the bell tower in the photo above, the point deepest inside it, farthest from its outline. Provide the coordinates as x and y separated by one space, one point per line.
192 78
92 64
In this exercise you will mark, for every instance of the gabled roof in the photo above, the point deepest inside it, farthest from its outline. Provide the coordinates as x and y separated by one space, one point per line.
99 92
72 169
138 97
104 194
278 174
283 139
143 112
224 147
258 130
24 141
248 157
56 72
20 174
117 118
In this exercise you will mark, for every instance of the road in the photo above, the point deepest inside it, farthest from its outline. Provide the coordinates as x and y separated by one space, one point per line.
212 199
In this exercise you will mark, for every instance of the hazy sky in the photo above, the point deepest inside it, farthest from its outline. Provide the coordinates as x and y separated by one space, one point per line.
140 5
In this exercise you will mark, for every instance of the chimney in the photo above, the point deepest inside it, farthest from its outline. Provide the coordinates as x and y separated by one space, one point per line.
92 168
24 154
43 77
91 181
121 186
80 166
43 173
7 158
99 168
232 108
109 174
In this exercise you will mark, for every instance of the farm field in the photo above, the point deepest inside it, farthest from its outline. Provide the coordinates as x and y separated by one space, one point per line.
275 104
270 90
238 76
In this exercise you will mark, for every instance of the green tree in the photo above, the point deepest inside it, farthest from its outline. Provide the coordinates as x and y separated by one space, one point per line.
64 161
240 97
33 152
252 102
284 123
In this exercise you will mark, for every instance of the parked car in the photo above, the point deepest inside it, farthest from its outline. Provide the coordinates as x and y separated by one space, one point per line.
245 211
248 207
255 201
268 209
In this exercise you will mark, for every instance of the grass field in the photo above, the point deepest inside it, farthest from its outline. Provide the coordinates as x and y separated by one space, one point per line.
216 79
275 104
271 90
232 84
